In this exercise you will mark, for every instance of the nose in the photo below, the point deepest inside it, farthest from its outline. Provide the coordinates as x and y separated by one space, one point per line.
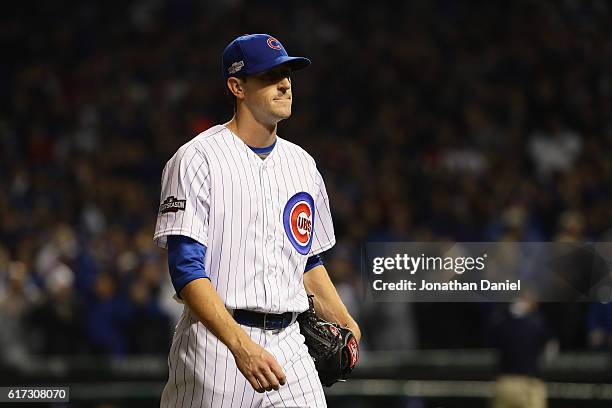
284 84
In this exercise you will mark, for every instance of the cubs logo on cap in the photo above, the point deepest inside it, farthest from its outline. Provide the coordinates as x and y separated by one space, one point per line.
298 220
273 43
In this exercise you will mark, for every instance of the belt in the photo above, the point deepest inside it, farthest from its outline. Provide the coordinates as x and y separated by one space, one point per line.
266 321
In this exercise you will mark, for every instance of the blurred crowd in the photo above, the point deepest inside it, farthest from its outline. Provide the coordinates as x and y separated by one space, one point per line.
430 120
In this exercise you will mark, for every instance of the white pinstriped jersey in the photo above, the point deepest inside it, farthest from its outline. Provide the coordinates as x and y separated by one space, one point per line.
259 219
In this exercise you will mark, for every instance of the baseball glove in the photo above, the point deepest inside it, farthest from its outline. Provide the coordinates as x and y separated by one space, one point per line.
333 348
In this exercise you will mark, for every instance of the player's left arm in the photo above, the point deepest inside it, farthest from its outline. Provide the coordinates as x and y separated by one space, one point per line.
327 302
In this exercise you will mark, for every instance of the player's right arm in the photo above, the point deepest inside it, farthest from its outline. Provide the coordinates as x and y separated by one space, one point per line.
257 365
182 226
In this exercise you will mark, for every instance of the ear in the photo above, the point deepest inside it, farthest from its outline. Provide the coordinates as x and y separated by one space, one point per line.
236 87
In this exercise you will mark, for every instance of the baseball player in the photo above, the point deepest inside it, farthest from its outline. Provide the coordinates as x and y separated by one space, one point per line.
245 216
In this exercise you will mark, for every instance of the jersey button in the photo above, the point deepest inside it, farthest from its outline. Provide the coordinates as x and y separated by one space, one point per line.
270 237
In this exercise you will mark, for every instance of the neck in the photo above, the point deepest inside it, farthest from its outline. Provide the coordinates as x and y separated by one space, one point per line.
252 132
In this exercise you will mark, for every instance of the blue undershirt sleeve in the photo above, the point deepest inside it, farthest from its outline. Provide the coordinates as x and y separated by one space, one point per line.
185 261
313 261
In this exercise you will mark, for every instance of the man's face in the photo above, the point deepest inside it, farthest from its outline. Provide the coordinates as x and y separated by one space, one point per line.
268 94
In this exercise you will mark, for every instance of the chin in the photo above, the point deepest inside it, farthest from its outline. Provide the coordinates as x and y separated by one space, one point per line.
283 114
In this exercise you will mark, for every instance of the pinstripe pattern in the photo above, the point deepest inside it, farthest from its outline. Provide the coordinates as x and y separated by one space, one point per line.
234 203
229 389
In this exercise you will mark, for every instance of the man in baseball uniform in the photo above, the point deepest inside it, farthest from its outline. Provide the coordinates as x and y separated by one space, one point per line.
245 216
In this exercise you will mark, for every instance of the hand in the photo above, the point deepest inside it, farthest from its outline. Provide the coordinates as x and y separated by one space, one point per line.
354 328
258 366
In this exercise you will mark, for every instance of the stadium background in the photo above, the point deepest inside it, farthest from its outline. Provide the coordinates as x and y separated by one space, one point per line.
430 120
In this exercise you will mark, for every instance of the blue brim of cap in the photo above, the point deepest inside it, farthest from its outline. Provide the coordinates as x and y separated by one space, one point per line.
294 63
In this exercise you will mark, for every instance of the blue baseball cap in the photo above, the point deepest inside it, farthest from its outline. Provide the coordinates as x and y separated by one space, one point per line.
253 53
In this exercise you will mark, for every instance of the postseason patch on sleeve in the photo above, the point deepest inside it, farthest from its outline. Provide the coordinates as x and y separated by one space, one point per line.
171 204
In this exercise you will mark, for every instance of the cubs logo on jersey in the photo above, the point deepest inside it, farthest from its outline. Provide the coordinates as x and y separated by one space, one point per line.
298 219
